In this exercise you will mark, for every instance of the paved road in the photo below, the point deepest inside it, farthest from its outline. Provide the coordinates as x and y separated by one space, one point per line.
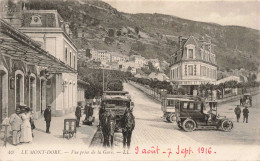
151 129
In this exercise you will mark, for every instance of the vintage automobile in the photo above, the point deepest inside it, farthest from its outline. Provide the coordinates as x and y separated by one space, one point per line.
247 99
117 104
199 114
168 106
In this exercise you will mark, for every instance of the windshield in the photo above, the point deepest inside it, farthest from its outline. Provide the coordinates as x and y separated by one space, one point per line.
116 103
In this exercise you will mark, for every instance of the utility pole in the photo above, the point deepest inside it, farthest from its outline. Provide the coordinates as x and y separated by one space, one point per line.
103 80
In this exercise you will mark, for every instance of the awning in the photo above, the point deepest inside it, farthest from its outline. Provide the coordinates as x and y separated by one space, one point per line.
82 82
19 46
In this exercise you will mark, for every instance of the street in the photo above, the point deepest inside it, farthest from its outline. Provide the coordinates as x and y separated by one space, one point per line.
152 132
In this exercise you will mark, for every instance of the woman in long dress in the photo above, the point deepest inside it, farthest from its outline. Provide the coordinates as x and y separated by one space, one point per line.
26 131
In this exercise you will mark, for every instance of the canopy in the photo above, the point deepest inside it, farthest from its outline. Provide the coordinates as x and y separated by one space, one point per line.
19 46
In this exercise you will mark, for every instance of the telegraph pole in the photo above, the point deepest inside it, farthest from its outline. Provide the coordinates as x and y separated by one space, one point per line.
103 80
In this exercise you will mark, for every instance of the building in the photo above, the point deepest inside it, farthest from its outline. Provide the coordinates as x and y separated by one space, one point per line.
138 59
29 74
193 64
100 55
49 29
155 63
119 58
159 76
81 91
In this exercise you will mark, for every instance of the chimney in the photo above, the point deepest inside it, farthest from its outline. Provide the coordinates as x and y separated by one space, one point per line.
180 41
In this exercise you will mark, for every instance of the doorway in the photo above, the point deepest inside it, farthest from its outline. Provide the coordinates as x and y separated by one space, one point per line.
19 89
43 95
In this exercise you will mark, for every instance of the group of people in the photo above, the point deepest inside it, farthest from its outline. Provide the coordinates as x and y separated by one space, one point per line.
22 125
245 111
88 111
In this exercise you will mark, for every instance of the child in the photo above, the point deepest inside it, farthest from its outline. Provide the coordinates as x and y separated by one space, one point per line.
16 122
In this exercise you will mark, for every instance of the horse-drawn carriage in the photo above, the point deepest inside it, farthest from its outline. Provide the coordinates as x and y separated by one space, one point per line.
116 102
114 114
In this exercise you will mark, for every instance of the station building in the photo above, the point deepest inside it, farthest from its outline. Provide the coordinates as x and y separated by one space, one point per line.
193 64
38 61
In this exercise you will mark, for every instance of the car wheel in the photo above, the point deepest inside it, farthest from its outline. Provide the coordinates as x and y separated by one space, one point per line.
227 125
189 125
171 118
179 124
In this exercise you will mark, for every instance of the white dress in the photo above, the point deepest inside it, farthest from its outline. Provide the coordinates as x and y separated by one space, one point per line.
26 131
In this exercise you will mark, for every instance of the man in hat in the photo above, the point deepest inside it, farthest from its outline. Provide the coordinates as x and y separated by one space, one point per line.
245 114
47 117
16 122
78 113
237 111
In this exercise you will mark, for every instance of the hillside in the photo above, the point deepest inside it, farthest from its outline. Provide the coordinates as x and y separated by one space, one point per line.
153 35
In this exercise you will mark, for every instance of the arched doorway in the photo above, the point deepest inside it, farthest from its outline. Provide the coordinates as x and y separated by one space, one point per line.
32 98
43 94
19 88
3 93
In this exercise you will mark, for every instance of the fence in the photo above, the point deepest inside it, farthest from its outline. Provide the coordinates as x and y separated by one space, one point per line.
155 93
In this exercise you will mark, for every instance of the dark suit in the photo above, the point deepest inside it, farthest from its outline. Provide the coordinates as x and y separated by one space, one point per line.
245 114
78 114
47 117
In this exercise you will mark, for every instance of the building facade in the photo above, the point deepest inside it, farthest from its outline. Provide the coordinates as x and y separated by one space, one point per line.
100 55
49 29
193 64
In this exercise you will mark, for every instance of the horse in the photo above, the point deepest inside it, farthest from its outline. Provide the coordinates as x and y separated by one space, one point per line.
128 125
107 121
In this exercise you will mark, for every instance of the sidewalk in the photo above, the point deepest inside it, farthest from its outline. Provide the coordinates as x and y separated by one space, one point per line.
84 133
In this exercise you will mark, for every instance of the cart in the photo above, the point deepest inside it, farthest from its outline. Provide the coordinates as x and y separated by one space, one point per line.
69 128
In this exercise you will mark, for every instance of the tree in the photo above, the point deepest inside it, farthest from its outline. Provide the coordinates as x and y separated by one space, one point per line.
111 32
118 33
137 30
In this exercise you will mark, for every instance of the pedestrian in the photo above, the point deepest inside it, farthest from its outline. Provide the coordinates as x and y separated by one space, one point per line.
250 101
237 111
241 101
16 122
245 114
47 117
32 121
26 131
78 113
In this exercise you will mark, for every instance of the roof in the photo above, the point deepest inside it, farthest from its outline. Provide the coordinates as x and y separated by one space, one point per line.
82 82
116 92
117 97
16 44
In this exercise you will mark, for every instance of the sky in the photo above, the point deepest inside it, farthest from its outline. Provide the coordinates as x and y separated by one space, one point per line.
228 12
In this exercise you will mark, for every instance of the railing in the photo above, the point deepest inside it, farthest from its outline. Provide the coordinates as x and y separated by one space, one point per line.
227 98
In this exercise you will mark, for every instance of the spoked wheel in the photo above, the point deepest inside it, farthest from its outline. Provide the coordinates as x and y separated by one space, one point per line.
172 118
227 125
189 125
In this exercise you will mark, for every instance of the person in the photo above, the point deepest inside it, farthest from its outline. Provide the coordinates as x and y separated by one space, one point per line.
47 118
245 114
32 120
78 113
250 101
26 131
237 111
16 122
241 101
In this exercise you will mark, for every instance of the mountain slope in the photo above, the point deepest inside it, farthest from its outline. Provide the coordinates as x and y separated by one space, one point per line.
153 35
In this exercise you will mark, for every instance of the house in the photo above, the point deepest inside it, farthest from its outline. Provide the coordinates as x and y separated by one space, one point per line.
100 55
155 62
194 63
159 76
138 59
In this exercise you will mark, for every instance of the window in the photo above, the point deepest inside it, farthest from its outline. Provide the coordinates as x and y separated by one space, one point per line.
177 72
190 69
70 58
190 53
173 74
74 61
66 55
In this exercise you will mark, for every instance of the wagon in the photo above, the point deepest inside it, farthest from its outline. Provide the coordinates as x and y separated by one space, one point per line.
117 103
197 114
